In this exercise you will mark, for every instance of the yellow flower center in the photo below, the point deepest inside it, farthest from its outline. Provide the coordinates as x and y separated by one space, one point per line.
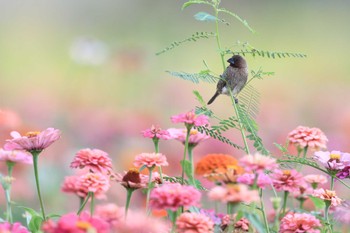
193 132
32 134
287 172
83 225
334 156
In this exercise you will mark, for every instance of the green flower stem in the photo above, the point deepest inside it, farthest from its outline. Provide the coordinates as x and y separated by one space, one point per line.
241 128
9 217
81 208
92 204
188 127
129 192
326 214
301 203
156 150
216 7
36 174
150 169
332 182
173 216
263 211
305 152
190 157
230 213
285 197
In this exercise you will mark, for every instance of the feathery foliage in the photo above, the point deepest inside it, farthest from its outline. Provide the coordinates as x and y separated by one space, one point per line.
177 179
203 76
265 53
196 36
249 99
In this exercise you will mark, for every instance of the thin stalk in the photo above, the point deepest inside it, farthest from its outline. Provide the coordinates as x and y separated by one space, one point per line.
285 197
326 213
216 6
9 216
36 174
129 192
305 152
332 182
173 216
263 211
230 213
190 157
149 187
188 127
82 206
156 150
92 204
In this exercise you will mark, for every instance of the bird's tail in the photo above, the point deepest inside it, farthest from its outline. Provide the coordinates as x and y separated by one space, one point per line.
213 98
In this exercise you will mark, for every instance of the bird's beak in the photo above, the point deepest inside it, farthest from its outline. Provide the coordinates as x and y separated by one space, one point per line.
230 61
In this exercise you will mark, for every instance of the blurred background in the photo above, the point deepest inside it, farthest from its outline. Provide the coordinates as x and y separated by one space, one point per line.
89 69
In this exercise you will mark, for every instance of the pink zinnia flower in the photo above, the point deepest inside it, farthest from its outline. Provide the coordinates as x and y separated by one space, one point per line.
195 136
190 118
138 222
32 141
110 213
150 159
312 138
16 156
194 222
173 195
234 193
131 179
16 227
287 180
301 223
258 163
95 160
315 180
344 173
334 160
327 195
72 223
263 180
70 184
156 133
96 183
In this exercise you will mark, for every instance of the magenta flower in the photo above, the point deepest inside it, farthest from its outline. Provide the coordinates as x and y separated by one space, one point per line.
233 193
263 180
299 222
312 138
156 133
150 159
258 163
95 160
190 118
72 223
96 183
194 222
287 180
173 195
16 227
180 135
16 156
334 160
32 141
344 173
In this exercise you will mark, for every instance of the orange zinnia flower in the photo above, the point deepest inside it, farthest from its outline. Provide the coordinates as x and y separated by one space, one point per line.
219 167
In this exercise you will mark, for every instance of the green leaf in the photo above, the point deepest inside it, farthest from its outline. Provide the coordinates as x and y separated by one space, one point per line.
244 22
199 97
203 16
191 2
35 224
195 78
254 220
265 53
319 203
142 168
281 148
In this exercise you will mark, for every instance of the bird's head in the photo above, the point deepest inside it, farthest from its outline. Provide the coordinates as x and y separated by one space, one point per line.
237 61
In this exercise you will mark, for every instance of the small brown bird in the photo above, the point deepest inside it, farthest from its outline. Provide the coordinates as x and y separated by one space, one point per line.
234 77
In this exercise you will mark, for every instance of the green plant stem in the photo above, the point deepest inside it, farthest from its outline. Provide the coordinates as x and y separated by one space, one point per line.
149 188
92 204
190 157
156 150
36 174
82 206
217 36
241 128
301 203
285 197
326 214
230 207
188 127
129 192
263 210
9 216
305 152
332 182
173 216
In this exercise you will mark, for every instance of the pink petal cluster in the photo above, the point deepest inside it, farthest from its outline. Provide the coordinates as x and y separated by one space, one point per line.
190 118
234 193
263 180
150 160
131 179
194 222
93 182
94 159
315 180
258 163
72 223
242 224
299 222
312 138
16 156
156 133
287 180
173 195
70 185
138 222
16 227
327 195
334 160
180 135
110 213
32 141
